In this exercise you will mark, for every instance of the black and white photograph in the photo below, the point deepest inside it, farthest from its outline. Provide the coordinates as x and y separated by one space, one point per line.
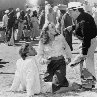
48 48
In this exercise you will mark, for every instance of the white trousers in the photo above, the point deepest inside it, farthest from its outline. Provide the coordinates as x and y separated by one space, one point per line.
89 62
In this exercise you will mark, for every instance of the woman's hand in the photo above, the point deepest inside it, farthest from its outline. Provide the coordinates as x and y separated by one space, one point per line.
44 61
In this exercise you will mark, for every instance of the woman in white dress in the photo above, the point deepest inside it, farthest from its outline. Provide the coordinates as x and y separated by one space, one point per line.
27 74
54 51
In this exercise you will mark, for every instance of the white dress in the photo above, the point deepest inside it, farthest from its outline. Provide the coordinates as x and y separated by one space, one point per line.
27 75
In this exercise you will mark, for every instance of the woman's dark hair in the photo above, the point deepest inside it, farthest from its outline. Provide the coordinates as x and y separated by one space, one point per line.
34 14
44 36
24 50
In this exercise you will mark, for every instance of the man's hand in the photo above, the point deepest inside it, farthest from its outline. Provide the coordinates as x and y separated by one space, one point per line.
69 28
78 59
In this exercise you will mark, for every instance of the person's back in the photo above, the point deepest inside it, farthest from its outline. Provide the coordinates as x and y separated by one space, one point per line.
41 19
65 22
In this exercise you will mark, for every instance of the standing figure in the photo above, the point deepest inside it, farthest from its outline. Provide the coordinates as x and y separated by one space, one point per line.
65 22
86 31
50 16
10 28
61 11
5 23
41 19
35 24
27 25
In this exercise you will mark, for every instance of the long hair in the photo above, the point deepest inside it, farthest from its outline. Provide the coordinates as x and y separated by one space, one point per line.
24 50
44 36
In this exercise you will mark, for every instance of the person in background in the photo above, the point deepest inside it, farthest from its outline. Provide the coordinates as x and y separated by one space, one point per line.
94 12
41 19
17 13
5 18
85 30
65 22
50 16
27 24
87 7
61 11
5 23
17 32
21 24
35 24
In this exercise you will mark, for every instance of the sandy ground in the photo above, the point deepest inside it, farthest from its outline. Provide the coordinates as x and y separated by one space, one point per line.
9 55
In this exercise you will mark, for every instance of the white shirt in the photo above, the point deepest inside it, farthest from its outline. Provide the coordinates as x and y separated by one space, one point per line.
58 47
5 20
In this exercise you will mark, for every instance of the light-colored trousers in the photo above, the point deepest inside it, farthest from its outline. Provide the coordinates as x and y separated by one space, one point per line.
89 62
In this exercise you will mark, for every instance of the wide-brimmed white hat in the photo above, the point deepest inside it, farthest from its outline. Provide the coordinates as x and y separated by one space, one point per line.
7 11
74 5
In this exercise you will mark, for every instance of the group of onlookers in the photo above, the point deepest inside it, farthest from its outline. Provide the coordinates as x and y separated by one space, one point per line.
20 24
27 24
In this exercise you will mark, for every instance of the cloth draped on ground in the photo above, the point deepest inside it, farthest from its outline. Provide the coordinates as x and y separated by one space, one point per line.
27 75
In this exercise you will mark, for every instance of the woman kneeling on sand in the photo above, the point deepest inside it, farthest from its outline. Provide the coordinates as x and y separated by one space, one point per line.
55 54
27 73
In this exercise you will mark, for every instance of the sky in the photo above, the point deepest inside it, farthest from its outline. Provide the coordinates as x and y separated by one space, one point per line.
32 2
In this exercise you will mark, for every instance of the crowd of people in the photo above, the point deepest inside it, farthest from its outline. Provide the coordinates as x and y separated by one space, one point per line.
20 25
55 27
